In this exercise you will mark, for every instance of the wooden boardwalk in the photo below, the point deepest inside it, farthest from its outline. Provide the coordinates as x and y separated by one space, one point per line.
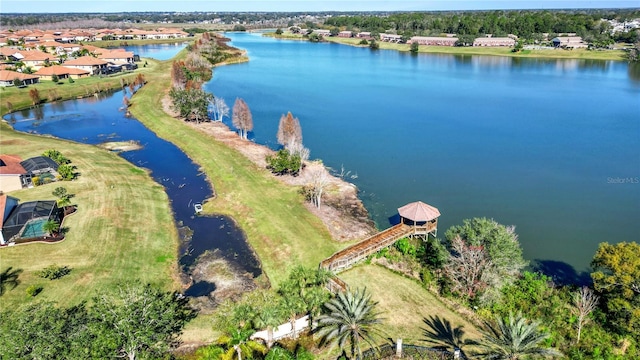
346 258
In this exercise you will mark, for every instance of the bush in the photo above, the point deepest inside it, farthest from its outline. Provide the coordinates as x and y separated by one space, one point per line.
364 42
34 290
35 180
53 272
284 162
71 81
66 171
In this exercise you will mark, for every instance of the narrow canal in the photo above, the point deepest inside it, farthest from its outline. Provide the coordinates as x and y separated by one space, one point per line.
98 120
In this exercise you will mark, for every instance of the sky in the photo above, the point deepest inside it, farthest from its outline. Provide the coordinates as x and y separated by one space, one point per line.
62 6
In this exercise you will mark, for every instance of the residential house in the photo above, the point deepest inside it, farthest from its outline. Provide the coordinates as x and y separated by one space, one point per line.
36 59
7 78
393 38
88 63
345 34
12 174
322 32
117 56
494 41
62 72
7 205
569 42
434 40
364 35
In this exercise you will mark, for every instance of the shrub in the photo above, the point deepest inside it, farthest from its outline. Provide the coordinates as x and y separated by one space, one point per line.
55 78
67 171
71 81
364 42
34 290
35 180
53 272
284 162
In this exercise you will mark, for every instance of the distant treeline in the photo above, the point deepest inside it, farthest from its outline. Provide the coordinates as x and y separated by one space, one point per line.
525 23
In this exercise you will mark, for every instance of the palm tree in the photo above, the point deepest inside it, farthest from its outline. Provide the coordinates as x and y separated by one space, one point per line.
237 342
350 319
513 338
50 226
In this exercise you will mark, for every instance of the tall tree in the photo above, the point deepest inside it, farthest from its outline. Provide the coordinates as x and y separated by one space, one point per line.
140 320
218 108
350 319
501 246
50 227
585 301
467 268
513 338
242 118
289 130
319 183
617 279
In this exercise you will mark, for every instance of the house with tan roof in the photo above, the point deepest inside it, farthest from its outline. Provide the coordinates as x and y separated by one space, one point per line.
88 63
36 58
569 42
12 174
117 56
61 72
7 78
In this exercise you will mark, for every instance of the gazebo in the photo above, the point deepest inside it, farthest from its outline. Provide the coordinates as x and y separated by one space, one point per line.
422 217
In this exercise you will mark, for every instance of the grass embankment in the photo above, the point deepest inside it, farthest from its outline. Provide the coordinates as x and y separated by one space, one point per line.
280 229
404 304
19 97
122 231
494 51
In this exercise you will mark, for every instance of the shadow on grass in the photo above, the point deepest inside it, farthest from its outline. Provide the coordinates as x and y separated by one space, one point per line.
9 278
440 333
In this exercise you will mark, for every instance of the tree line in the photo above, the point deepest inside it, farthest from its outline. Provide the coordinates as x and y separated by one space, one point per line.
528 24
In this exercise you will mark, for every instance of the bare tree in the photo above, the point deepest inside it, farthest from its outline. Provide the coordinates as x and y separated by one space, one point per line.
296 148
289 130
218 109
585 302
319 182
178 77
466 268
242 118
35 96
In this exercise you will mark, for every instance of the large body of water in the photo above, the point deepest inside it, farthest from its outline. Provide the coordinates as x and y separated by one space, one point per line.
551 146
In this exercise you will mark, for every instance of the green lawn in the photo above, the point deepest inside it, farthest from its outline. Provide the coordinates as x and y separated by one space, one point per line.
404 303
123 229
494 51
280 229
19 97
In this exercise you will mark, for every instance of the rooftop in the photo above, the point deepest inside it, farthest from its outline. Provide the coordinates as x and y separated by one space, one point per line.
419 211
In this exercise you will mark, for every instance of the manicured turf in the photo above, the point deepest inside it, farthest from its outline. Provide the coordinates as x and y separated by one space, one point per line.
123 229
404 303
280 229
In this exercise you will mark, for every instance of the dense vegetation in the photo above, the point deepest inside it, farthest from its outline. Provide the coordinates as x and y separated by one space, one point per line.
137 321
596 323
526 24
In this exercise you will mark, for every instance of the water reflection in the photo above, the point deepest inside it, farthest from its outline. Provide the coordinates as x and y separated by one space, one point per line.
634 72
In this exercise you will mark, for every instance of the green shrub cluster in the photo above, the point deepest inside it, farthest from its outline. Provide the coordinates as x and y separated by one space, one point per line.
284 162
53 272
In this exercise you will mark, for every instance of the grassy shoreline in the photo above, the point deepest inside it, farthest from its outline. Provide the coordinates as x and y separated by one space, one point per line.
107 244
616 55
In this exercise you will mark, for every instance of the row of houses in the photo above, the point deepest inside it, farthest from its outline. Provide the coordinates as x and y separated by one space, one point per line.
83 35
47 66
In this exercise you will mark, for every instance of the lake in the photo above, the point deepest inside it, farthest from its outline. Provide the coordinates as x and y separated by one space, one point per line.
156 51
551 146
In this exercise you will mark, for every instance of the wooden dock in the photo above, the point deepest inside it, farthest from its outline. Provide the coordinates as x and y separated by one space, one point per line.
418 219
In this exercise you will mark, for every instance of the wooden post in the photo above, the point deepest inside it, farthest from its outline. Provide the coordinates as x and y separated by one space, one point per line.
399 348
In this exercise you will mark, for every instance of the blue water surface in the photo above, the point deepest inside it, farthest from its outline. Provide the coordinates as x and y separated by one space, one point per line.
551 146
